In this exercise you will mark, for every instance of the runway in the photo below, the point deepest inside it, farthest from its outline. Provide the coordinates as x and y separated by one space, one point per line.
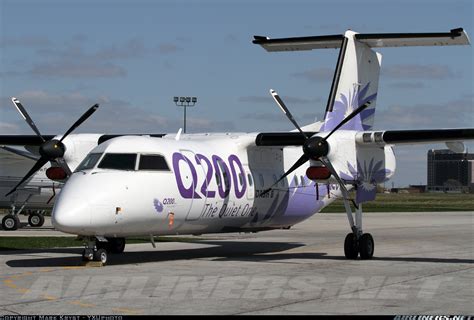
423 264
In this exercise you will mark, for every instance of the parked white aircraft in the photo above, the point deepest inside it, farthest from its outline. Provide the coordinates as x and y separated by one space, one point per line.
50 162
250 182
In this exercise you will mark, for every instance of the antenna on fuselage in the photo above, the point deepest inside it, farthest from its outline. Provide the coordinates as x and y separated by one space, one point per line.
178 135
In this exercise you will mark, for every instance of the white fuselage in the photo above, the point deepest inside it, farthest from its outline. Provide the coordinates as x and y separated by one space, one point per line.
212 184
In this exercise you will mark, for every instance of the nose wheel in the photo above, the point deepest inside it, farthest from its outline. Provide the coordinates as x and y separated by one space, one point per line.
98 250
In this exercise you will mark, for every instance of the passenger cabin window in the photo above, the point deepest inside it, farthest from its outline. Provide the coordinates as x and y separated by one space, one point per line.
89 162
118 161
153 162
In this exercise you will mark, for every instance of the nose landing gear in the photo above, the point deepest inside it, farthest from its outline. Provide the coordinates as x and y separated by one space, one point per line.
97 249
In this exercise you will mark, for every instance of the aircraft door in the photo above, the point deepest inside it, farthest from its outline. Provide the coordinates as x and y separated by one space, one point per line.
197 179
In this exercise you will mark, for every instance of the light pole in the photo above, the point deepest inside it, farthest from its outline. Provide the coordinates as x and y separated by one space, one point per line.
185 102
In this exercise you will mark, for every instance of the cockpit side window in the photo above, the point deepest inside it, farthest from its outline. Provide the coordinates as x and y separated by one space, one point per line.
89 162
153 162
118 161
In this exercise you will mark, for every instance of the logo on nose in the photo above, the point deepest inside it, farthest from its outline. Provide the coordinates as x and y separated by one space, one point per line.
158 205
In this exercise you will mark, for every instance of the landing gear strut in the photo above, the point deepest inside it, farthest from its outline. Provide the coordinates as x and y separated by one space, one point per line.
357 242
98 249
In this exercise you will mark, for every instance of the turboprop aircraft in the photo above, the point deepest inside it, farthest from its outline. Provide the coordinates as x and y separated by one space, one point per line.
250 182
30 177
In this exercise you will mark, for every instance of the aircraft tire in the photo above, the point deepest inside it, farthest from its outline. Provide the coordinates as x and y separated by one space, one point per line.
351 247
36 220
10 222
116 245
101 256
366 246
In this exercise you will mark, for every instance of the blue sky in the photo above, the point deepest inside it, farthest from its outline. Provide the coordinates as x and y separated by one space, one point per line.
60 57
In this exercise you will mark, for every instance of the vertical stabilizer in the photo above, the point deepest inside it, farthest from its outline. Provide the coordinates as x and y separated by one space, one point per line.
355 83
356 77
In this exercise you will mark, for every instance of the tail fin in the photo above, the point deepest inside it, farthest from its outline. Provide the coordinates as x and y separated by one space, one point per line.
355 83
356 77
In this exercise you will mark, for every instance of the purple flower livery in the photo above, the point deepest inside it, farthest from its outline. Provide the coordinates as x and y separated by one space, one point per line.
343 107
158 205
367 178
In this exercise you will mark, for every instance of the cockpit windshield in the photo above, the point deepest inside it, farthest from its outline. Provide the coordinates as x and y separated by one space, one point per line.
118 161
89 162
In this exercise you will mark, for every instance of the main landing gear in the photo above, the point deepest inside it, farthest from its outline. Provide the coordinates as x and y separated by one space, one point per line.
97 249
357 242
12 221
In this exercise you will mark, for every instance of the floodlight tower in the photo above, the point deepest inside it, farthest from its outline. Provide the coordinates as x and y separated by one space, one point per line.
185 102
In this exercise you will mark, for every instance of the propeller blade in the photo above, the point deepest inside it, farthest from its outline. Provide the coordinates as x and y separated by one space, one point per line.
286 111
41 162
62 163
302 160
333 171
348 118
83 118
26 117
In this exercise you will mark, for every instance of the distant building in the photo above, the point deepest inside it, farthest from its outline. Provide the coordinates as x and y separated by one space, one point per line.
450 172
410 189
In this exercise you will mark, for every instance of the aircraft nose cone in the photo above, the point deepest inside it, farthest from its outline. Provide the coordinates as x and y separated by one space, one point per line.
71 215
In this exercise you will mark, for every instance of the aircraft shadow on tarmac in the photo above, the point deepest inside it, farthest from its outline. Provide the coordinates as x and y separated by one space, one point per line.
220 251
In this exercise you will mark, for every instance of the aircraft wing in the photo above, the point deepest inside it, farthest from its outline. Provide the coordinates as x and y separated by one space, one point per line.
395 137
23 140
34 140
281 139
11 155
380 138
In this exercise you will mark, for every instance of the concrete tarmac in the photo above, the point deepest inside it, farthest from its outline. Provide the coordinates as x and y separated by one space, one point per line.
423 264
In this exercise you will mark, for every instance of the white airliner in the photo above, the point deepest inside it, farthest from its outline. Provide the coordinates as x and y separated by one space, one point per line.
250 182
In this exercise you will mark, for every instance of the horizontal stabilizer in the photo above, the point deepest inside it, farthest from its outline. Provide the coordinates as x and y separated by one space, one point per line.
374 40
